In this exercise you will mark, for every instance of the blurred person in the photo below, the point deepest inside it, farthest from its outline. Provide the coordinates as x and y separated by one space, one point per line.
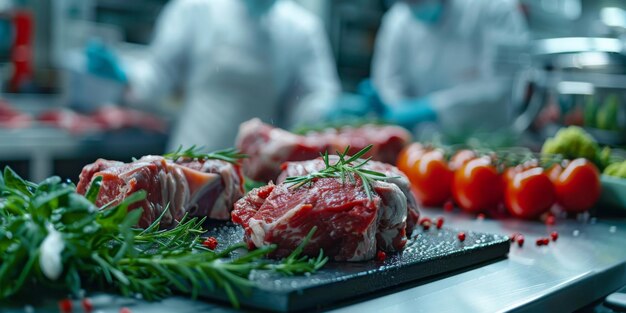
234 59
435 61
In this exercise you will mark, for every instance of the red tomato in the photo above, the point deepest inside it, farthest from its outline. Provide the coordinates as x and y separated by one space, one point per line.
460 158
509 173
554 172
529 194
578 186
409 155
477 186
431 179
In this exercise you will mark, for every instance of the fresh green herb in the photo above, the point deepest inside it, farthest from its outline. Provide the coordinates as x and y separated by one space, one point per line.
249 184
296 264
351 122
52 236
346 166
229 155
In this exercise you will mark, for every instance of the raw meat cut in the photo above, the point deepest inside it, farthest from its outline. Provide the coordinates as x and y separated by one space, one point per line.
268 147
104 119
113 117
397 178
12 118
350 226
69 120
197 187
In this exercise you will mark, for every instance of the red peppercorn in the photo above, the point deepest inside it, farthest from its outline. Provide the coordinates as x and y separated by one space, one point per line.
543 241
87 305
448 206
513 236
65 305
439 222
480 216
520 240
554 235
210 243
125 310
425 222
550 220
461 236
381 256
426 225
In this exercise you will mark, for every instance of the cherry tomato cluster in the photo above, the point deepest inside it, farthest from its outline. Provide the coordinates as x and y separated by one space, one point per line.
479 182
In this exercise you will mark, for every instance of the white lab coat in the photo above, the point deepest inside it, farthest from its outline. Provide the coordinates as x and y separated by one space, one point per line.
233 65
452 62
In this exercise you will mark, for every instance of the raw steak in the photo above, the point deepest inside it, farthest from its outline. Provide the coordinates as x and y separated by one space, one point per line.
200 188
10 117
398 178
268 147
350 227
107 118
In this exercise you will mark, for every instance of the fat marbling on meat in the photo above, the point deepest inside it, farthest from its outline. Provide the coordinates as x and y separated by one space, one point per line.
350 226
201 188
267 147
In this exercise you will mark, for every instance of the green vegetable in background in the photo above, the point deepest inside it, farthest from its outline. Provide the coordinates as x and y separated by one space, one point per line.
51 236
590 112
617 169
607 115
573 142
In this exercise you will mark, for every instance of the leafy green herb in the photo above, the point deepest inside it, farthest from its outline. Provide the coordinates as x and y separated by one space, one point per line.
229 155
351 122
249 184
54 237
345 167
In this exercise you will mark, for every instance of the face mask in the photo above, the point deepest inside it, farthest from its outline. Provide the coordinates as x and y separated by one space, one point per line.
429 12
259 7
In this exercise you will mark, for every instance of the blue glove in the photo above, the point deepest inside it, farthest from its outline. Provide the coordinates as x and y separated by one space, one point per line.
349 107
101 61
411 112
367 89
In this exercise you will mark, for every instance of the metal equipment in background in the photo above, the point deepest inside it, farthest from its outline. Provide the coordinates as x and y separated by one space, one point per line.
576 81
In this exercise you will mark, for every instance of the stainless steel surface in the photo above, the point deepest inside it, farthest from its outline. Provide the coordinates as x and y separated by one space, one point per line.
587 263
39 145
577 44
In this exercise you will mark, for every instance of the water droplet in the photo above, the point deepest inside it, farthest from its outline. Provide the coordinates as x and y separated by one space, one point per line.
583 217
575 233
612 229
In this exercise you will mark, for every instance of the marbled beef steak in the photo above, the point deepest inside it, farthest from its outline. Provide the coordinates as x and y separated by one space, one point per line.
350 226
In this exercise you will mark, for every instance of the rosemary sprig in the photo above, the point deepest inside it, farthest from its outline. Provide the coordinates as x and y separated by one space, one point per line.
231 155
51 236
345 167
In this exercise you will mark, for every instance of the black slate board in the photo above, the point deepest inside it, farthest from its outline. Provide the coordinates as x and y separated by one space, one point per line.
428 253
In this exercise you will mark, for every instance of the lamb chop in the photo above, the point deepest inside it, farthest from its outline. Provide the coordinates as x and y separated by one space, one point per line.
200 188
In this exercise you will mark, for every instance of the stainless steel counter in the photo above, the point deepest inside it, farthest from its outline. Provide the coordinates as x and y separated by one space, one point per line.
39 145
587 263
